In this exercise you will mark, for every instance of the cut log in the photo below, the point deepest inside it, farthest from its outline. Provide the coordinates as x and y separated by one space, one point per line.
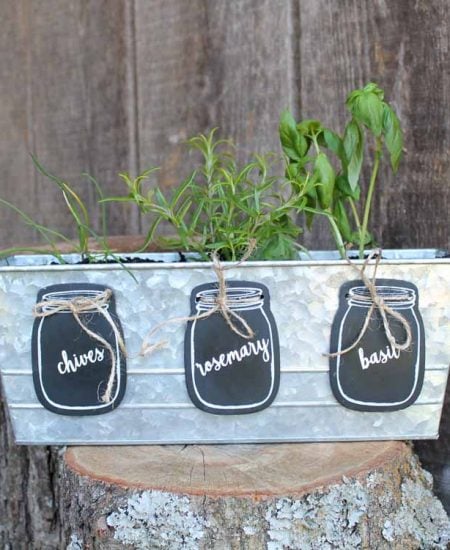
290 496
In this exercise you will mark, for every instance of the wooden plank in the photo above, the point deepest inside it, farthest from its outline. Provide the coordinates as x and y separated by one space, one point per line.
417 208
249 60
27 505
15 137
403 46
77 58
203 64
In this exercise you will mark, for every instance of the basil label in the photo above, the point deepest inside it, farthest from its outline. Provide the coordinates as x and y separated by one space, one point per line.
374 375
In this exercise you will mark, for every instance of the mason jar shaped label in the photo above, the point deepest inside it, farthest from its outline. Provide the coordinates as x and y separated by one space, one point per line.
73 370
375 376
225 372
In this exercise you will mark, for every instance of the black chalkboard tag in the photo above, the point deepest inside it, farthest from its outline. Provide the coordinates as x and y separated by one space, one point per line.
373 376
71 368
225 372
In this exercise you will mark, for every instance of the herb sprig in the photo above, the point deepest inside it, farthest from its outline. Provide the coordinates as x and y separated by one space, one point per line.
79 214
221 206
312 152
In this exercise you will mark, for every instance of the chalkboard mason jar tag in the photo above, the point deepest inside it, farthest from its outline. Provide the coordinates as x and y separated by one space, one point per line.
227 373
71 368
373 376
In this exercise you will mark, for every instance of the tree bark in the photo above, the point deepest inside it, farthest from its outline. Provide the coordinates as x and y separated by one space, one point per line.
315 496
29 476
29 493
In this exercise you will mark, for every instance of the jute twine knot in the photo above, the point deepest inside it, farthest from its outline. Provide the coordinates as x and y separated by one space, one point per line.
377 302
82 304
221 304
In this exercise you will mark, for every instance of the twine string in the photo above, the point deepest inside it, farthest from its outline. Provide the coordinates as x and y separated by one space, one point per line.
377 302
220 304
79 305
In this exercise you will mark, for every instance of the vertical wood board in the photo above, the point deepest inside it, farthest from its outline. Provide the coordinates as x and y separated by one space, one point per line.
207 64
403 46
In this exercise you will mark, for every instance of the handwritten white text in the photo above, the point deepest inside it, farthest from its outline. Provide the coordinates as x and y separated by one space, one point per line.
227 359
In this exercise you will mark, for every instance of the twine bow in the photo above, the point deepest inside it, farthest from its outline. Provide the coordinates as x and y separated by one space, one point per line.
78 306
378 302
220 304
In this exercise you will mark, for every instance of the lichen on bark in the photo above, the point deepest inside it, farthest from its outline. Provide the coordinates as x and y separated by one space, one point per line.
388 507
157 520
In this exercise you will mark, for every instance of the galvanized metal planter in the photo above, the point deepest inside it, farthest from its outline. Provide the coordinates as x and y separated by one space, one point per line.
156 407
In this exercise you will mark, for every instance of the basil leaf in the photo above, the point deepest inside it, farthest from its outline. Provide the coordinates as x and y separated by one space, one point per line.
373 88
292 170
393 136
309 219
333 142
310 189
343 186
368 238
354 150
367 107
310 127
325 180
293 144
340 215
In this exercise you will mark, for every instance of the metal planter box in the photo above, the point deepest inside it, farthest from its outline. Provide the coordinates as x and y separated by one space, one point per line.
156 407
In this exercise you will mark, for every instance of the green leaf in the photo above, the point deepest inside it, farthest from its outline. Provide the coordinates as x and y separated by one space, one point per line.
373 88
47 233
186 184
310 212
117 199
343 186
340 215
278 247
367 107
161 198
310 127
311 192
393 136
216 245
333 142
356 238
325 180
293 170
45 173
354 150
293 144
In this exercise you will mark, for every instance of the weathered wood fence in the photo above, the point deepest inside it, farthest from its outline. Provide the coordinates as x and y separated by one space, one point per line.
101 86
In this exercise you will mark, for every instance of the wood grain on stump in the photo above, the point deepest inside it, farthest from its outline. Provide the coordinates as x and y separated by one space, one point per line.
320 495
232 470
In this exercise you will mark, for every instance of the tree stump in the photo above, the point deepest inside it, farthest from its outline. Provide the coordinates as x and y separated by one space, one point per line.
290 496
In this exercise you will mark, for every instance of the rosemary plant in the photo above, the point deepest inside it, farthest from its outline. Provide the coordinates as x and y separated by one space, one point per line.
222 207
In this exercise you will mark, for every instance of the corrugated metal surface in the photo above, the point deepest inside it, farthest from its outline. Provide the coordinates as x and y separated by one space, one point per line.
156 407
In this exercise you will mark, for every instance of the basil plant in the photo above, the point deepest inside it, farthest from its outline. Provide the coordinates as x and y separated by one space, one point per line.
328 165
